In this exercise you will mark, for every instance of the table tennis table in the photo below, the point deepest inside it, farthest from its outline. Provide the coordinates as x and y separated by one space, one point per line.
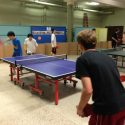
123 46
50 69
114 52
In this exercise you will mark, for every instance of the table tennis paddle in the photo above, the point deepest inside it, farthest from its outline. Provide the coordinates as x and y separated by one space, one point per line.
88 110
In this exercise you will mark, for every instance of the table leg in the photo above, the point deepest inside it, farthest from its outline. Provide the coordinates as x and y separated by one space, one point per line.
36 81
36 86
56 92
11 72
18 75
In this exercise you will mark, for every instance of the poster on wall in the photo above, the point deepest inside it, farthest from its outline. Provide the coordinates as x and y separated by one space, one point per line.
78 29
42 34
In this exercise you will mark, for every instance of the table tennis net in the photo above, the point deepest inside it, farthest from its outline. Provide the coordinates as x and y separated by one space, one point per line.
40 60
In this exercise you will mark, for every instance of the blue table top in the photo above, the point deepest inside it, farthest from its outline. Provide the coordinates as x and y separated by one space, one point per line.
54 69
13 59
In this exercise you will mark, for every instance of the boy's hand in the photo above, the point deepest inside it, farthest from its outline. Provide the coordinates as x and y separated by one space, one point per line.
80 111
87 111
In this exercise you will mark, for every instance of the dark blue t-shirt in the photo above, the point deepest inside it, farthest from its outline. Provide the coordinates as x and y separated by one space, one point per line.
18 49
108 91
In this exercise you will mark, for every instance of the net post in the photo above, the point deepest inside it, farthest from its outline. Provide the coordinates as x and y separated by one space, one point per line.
15 63
66 56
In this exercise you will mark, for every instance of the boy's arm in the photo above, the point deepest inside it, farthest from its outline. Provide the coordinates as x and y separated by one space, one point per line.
36 44
52 44
114 39
85 96
55 44
52 38
25 46
15 47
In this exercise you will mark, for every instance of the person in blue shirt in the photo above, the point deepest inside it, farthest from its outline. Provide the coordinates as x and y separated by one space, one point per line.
16 43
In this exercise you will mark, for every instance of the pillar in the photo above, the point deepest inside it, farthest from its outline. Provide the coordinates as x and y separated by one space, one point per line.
70 4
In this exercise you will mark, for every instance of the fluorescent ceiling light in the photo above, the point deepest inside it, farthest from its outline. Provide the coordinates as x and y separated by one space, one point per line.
92 3
46 3
89 10
97 11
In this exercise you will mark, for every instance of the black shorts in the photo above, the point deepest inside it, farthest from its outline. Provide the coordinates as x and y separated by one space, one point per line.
54 50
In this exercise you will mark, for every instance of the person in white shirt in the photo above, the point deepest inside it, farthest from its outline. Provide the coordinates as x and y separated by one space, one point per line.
30 45
53 42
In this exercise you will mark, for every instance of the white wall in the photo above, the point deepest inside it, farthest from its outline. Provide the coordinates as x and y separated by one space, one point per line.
13 13
56 17
116 19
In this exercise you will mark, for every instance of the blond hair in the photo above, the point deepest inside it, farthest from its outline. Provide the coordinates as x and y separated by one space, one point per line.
87 39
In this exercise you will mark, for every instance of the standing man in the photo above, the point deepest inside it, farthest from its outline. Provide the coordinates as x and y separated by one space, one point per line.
53 42
115 38
30 45
16 44
101 80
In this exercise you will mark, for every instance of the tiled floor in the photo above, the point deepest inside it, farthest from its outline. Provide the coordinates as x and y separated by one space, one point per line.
20 107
